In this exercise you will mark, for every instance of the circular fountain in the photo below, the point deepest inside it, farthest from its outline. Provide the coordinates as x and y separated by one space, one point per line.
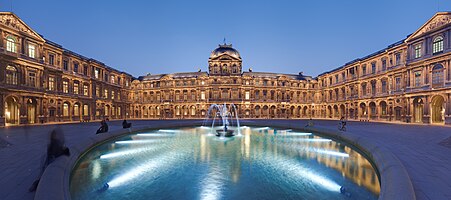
225 114
192 163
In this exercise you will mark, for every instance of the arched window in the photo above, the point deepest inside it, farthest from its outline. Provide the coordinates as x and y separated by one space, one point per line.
437 74
65 110
437 46
76 110
11 75
11 45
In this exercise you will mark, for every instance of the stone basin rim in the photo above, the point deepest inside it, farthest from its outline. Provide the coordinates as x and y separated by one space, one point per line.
393 177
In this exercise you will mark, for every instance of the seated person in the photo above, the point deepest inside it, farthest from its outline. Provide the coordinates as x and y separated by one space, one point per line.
103 127
126 125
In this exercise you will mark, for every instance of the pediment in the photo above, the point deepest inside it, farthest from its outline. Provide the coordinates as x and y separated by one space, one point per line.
439 20
225 57
166 77
10 20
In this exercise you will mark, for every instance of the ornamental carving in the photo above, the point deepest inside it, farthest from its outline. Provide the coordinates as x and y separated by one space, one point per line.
437 22
13 22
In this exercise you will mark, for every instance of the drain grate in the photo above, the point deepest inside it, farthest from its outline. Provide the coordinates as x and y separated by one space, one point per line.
446 142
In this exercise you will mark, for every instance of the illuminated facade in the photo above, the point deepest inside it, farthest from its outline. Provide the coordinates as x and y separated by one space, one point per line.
409 81
43 82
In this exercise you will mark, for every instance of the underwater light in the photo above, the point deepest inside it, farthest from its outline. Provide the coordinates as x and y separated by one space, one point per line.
127 152
296 170
153 165
136 142
295 134
333 153
154 134
314 140
168 131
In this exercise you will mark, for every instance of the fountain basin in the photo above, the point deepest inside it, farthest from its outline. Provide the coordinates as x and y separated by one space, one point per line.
225 133
188 163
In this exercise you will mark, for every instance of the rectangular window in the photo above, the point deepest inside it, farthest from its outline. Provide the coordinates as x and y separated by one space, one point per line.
417 78
32 79
105 93
105 77
418 51
76 89
384 64
364 89
398 83
85 110
76 67
247 96
85 70
85 90
202 95
31 51
97 91
398 58
51 83
112 79
65 87
51 59
364 70
336 78
96 73
373 67
112 94
384 86
11 44
65 65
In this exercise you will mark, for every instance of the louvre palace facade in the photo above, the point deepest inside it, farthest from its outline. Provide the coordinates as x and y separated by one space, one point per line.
42 82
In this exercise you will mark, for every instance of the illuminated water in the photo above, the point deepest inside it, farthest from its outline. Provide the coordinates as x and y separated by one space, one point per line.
192 163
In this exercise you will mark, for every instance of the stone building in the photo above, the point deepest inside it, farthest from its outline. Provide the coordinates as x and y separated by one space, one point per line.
408 81
41 82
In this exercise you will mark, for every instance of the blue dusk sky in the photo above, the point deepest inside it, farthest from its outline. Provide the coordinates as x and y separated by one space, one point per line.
168 36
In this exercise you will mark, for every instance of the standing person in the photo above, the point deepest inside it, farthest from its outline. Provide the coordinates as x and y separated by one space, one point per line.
342 124
55 149
310 123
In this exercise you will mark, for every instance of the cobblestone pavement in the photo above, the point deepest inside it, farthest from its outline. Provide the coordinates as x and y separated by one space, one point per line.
424 150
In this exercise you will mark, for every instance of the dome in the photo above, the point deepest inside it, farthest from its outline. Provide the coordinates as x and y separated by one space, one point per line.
225 49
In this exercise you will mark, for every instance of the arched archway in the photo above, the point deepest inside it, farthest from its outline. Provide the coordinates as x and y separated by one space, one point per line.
343 111
438 109
373 110
336 113
273 112
418 110
266 111
329 111
11 111
257 111
363 111
193 111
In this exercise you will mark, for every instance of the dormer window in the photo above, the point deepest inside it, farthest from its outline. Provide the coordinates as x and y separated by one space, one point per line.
437 45
11 45
31 51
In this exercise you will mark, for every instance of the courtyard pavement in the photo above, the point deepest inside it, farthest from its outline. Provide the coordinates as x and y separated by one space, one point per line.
425 151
